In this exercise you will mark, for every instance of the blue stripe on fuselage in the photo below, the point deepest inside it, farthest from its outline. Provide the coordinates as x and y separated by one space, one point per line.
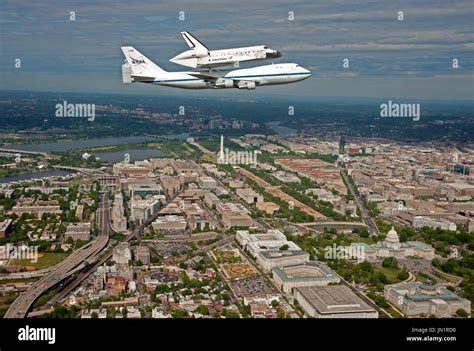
232 77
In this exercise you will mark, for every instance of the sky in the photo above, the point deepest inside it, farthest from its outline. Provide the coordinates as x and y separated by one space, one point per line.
389 58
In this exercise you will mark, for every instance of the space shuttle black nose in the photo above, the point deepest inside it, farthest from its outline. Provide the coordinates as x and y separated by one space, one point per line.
274 54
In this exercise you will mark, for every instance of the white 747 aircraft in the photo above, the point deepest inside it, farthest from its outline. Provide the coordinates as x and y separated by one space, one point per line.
138 68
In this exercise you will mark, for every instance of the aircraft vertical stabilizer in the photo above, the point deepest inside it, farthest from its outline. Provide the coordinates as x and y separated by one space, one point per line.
140 65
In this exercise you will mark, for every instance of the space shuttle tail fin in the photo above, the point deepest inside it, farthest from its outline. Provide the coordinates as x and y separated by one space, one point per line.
194 43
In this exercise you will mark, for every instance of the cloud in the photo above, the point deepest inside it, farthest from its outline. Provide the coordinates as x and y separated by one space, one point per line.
368 33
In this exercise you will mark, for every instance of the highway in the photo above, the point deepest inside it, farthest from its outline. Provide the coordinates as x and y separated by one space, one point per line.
20 307
99 258
102 258
373 230
26 275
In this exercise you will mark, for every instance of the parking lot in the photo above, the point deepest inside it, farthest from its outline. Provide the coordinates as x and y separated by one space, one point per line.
251 287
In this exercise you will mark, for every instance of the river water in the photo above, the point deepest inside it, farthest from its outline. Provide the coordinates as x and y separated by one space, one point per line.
33 175
82 144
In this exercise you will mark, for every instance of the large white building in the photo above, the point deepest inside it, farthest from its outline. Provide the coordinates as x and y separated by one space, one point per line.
118 217
421 299
122 254
312 273
333 301
421 221
273 239
271 249
142 210
268 260
170 223
390 247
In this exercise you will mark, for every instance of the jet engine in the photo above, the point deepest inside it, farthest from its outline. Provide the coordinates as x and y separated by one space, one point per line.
250 85
224 83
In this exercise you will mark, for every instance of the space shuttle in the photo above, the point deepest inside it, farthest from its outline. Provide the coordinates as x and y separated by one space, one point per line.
199 55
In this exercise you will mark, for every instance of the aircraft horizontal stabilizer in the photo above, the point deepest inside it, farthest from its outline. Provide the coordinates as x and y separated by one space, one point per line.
139 78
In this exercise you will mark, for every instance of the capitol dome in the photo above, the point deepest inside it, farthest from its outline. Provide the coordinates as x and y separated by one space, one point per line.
392 240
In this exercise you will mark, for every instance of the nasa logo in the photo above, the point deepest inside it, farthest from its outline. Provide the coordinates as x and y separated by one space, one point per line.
137 61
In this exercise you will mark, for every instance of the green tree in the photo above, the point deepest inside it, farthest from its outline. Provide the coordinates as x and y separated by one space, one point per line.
390 262
462 313
202 309
366 266
403 275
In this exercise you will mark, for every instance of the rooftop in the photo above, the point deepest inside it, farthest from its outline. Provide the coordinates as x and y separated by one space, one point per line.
279 254
306 271
334 299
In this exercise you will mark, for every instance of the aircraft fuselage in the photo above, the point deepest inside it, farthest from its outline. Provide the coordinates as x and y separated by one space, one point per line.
241 78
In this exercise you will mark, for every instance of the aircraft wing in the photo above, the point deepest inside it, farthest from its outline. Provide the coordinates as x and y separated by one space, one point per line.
218 80
138 78
204 75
